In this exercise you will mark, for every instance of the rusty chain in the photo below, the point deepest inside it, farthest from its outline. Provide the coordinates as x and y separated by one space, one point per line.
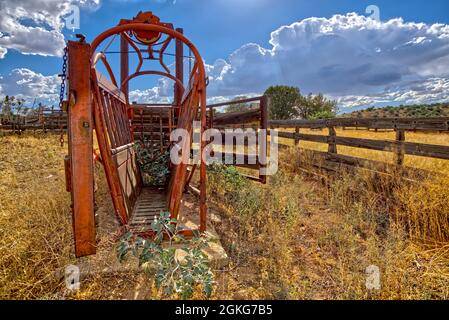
63 76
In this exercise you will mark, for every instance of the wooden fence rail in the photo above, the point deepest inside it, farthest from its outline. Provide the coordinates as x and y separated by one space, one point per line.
399 147
46 119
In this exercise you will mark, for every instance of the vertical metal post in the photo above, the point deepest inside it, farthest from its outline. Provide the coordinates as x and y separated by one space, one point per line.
80 124
124 64
179 68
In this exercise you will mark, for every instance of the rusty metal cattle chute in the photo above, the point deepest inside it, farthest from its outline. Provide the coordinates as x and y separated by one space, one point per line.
100 104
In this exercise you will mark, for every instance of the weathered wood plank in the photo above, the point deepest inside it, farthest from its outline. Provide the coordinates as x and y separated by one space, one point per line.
419 124
410 148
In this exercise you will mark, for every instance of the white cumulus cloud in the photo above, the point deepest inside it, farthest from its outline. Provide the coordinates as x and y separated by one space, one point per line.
27 84
343 56
35 26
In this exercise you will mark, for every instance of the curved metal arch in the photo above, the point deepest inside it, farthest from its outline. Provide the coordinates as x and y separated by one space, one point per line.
157 28
150 72
198 99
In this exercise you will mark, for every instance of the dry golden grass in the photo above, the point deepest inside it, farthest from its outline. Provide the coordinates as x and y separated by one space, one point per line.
291 239
437 165
35 220
297 239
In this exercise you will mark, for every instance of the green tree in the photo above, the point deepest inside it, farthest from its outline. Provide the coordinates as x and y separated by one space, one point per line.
316 107
283 102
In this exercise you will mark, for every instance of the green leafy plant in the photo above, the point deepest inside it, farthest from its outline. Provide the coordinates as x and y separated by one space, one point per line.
176 271
153 163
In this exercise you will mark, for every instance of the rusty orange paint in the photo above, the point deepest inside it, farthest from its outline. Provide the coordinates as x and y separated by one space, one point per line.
111 115
80 124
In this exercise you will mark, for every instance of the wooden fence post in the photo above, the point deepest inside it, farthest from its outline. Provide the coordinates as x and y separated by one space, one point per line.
399 152
331 140
296 137
263 144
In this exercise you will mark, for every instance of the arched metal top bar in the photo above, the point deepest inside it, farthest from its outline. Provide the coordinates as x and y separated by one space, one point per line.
157 28
151 72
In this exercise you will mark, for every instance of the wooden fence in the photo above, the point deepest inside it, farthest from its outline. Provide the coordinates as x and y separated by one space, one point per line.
331 160
45 119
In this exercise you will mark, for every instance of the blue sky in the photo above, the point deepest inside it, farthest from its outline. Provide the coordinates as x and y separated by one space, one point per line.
396 63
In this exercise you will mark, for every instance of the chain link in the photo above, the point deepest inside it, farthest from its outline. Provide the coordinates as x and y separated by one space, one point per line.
63 76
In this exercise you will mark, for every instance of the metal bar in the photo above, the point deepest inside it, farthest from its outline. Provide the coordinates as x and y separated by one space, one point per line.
109 166
124 64
179 69
80 150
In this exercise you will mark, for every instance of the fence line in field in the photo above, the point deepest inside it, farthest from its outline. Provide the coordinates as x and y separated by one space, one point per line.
331 160
45 119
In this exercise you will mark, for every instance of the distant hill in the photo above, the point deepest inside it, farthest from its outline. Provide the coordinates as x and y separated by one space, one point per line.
408 111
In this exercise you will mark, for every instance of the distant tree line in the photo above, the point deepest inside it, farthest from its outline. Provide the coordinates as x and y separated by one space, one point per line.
404 111
288 103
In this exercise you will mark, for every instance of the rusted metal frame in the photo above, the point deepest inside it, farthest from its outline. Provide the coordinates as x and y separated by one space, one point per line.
151 129
105 150
107 86
80 124
199 68
161 131
161 53
170 121
191 84
127 122
190 176
110 129
109 69
121 122
124 65
198 101
150 105
203 177
179 65
110 116
141 122
135 47
118 122
152 72
178 177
